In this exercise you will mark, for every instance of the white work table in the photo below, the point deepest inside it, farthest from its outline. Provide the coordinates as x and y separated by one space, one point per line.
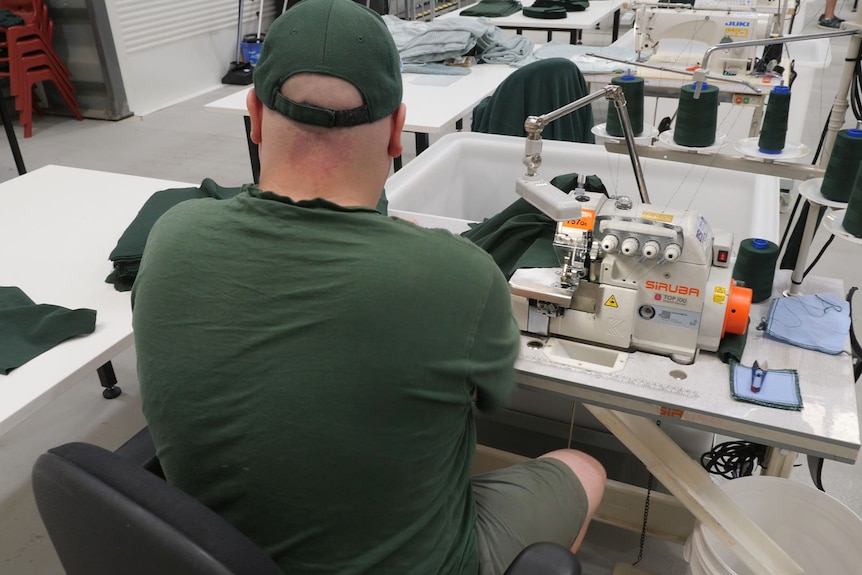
574 22
698 395
60 225
435 103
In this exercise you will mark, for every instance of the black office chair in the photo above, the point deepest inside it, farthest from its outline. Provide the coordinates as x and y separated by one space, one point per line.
110 512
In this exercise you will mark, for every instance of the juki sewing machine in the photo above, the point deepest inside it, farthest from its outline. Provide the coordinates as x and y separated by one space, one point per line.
632 276
678 33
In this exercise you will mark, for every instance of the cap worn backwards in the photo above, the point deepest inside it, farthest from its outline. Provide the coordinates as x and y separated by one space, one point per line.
337 38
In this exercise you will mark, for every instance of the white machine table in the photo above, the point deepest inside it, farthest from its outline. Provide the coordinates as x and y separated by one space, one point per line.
60 225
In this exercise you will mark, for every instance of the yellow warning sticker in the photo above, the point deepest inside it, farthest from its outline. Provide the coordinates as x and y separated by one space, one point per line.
667 218
585 222
719 295
612 302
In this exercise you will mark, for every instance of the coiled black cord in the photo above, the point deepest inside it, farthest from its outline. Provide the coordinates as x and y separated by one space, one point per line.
733 459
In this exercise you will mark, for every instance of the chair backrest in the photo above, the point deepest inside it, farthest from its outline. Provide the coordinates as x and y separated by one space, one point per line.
537 88
105 514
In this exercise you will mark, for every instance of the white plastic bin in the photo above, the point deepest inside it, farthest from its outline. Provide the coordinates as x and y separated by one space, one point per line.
465 177
819 532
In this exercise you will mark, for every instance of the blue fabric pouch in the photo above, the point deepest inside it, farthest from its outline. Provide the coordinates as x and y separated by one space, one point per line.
819 321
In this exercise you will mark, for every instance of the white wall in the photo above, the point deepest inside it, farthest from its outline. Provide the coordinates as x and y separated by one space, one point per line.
170 51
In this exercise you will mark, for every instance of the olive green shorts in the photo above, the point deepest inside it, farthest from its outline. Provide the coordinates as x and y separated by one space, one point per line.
536 500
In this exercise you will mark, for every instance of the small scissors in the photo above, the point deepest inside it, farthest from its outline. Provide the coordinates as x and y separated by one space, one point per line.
758 375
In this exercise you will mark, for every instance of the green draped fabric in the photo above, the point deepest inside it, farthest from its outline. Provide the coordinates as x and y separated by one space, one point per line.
521 236
536 89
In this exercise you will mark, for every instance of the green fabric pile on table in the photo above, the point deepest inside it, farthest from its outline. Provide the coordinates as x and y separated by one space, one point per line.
492 8
126 256
554 9
28 329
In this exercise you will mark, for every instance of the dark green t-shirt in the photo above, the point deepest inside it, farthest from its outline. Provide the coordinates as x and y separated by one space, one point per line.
307 371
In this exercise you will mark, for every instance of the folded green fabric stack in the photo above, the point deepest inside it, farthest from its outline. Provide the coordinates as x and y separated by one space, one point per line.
28 329
567 5
130 247
493 8
552 13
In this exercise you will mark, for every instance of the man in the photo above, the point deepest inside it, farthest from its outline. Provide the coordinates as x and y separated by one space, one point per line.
829 19
308 365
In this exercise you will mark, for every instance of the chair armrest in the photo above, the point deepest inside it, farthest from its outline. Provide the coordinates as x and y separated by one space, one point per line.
141 451
544 558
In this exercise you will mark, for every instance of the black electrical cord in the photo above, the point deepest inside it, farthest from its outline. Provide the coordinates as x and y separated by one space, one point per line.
733 459
855 99
819 255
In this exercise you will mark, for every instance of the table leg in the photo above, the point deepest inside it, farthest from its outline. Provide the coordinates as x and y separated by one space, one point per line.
422 142
108 379
396 163
691 484
252 152
779 462
11 137
808 232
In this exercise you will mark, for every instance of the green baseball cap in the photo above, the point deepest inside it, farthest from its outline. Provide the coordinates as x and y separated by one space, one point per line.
337 38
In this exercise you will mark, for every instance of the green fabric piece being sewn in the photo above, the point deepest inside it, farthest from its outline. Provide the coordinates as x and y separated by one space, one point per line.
731 346
521 236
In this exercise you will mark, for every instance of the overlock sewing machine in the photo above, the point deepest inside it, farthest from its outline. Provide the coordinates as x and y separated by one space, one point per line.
632 276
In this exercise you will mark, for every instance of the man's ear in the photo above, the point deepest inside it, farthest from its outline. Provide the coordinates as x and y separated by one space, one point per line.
255 112
398 117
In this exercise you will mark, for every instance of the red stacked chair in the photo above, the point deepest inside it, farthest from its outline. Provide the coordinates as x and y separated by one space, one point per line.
27 57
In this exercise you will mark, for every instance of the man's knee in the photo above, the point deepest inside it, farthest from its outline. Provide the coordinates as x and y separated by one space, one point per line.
588 470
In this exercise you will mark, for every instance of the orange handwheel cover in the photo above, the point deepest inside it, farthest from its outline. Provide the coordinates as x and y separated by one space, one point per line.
738 308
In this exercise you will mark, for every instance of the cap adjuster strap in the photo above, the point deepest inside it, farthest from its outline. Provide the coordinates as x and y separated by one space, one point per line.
315 115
